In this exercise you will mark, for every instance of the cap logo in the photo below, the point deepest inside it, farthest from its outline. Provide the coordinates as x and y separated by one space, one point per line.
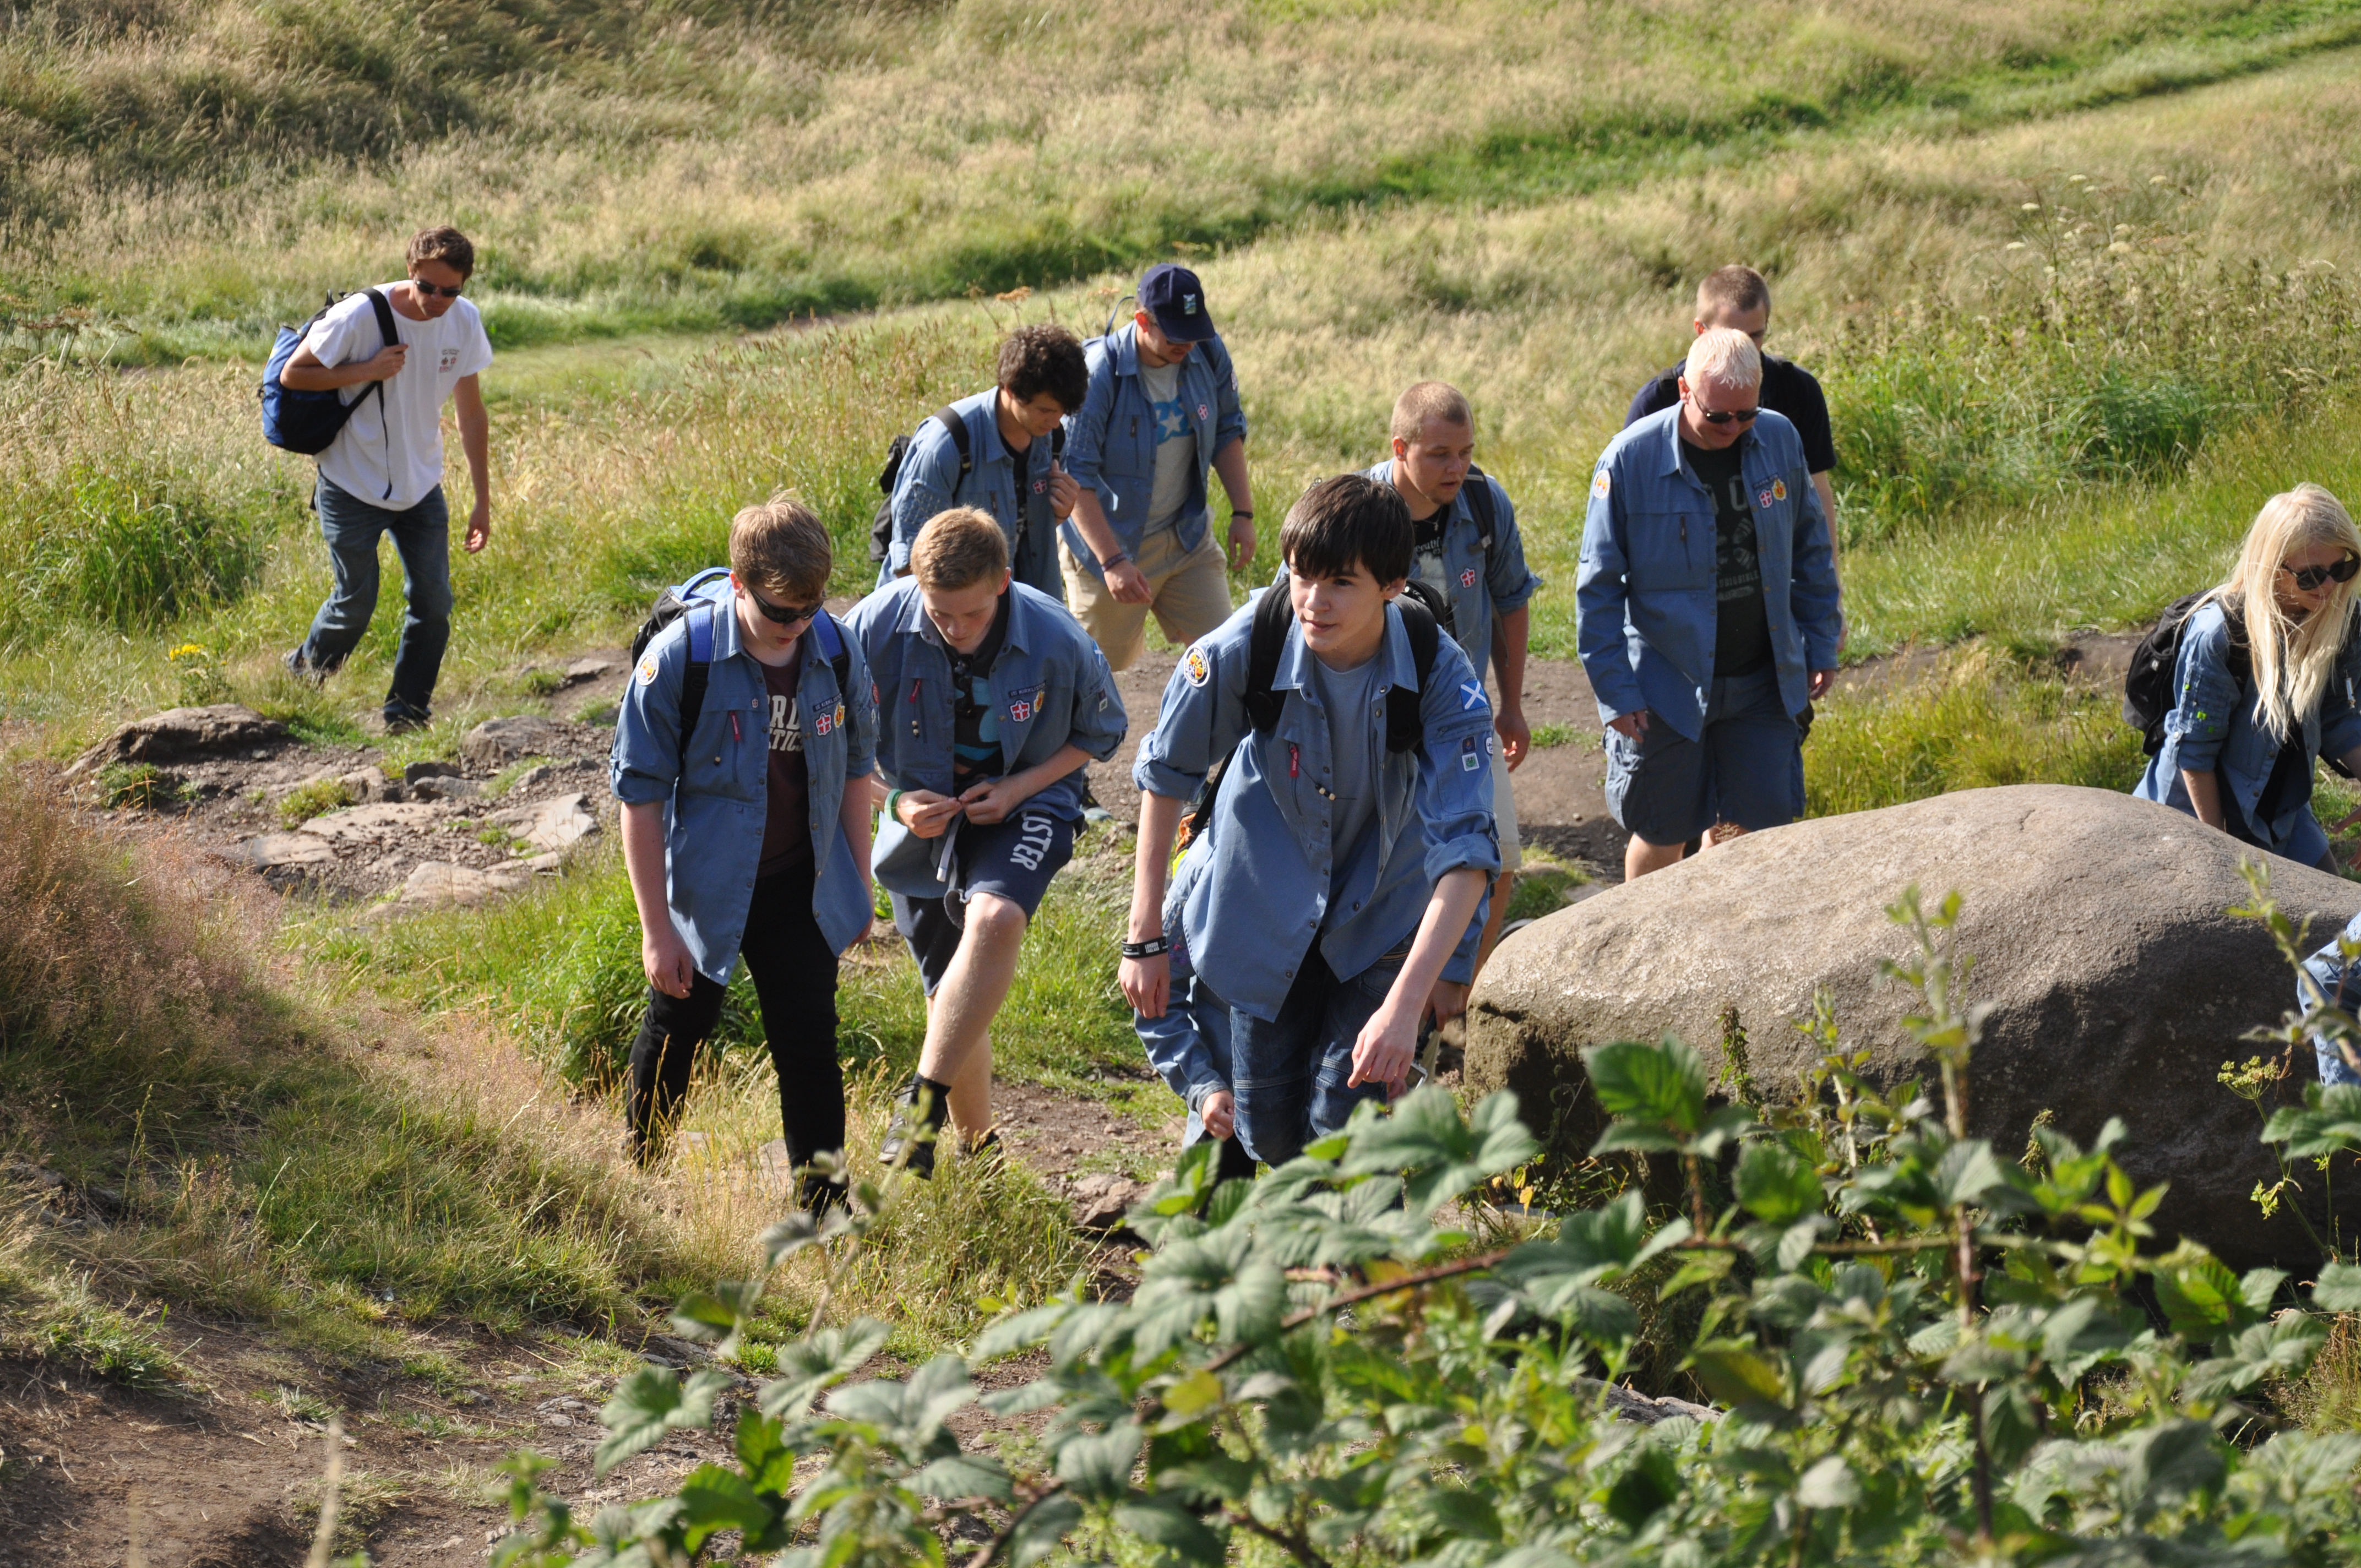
1188 305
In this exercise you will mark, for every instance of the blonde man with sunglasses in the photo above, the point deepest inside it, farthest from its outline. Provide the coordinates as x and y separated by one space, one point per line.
1709 612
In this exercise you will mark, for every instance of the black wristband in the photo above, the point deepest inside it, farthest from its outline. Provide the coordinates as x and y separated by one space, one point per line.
1112 562
1154 947
1236 512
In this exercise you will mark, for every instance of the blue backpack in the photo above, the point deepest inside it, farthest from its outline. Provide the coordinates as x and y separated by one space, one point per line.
708 591
308 421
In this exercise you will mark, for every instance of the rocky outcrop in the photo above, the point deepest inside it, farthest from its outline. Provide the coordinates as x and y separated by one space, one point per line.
184 734
2117 980
496 742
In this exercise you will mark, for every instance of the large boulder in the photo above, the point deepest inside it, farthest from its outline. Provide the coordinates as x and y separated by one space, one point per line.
184 734
2118 980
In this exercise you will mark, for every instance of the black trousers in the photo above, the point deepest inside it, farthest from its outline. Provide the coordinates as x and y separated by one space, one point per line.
794 970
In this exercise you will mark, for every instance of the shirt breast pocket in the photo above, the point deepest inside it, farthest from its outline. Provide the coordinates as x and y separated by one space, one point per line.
1668 550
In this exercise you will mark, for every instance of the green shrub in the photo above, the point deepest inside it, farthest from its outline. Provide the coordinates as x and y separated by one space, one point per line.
141 786
1976 722
126 547
305 801
1920 1350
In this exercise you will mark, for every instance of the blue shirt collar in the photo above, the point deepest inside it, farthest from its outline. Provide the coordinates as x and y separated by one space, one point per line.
1295 659
994 449
1123 347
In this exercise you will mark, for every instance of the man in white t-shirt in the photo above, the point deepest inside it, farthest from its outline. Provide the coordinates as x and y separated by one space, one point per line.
383 473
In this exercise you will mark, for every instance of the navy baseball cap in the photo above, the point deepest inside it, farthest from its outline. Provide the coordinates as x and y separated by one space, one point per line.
1174 297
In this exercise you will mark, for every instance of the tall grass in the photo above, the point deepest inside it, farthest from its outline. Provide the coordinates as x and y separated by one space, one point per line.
188 165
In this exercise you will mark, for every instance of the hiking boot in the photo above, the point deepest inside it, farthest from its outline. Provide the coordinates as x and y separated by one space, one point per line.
917 1125
303 670
401 720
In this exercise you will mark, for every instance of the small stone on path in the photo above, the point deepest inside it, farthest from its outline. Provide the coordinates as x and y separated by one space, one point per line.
548 825
372 824
496 742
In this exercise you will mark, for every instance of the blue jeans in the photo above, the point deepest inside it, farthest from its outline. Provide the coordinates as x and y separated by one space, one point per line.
1289 1074
421 538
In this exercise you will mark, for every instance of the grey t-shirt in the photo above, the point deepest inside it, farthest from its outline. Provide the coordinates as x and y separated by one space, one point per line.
1351 698
1176 445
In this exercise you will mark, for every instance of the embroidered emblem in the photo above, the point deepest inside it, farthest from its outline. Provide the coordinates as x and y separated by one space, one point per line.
1020 711
840 713
1470 762
1188 305
1471 694
1040 486
1598 484
1204 412
1778 490
823 723
1192 665
647 671
1762 499
1467 577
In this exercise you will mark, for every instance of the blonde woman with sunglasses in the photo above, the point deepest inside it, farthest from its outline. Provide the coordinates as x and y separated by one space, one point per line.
2259 698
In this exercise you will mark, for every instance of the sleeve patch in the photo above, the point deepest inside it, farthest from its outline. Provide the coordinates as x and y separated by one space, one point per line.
1599 484
1778 490
1194 664
648 671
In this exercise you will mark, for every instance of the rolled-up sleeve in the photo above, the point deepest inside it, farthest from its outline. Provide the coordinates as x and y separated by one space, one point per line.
1191 733
644 767
1099 723
929 481
2206 697
1086 427
1511 582
1600 588
1454 799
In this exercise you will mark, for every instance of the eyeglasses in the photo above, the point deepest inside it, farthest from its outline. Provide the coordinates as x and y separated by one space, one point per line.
434 290
1727 416
2310 578
783 615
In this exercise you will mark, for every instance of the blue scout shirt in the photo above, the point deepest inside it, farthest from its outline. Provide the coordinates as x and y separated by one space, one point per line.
1267 882
1482 584
1646 584
930 483
1050 686
1111 439
714 810
2215 728
2339 986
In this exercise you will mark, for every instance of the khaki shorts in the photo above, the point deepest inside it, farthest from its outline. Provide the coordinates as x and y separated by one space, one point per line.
1191 596
1504 812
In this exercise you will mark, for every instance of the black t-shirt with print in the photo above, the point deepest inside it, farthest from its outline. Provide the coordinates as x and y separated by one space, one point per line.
975 719
786 829
1741 637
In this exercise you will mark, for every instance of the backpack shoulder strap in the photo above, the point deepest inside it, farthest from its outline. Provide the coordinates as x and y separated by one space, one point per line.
384 309
1405 724
833 649
1478 491
1056 442
955 428
1273 614
699 673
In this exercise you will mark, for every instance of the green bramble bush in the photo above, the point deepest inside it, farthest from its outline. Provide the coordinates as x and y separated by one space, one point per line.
1924 1353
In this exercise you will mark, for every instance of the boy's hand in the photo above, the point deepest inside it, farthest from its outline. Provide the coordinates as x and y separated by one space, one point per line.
992 801
1516 735
1382 1055
1220 1114
1447 1001
925 812
1241 541
1128 585
1064 492
386 362
480 526
1146 984
1631 726
664 957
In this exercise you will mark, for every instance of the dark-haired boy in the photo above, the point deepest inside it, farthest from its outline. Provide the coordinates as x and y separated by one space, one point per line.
1336 876
993 701
383 473
749 835
1010 469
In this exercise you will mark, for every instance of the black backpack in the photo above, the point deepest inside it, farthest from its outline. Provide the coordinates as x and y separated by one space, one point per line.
1273 614
308 422
1478 491
699 593
2148 695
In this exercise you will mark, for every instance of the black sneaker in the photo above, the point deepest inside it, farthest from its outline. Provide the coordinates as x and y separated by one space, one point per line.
402 721
916 1128
302 669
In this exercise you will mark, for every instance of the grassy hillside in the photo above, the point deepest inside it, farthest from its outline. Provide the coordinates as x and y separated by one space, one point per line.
186 170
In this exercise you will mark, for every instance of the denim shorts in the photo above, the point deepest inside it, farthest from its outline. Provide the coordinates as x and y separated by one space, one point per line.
1745 766
1015 859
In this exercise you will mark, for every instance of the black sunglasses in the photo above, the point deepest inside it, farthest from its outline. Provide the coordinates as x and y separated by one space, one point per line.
434 290
779 613
1725 416
2310 577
